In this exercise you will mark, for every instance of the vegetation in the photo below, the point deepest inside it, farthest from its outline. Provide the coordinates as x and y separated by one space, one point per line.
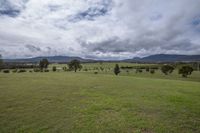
185 71
43 64
1 62
21 71
54 68
167 69
74 65
6 71
152 71
116 69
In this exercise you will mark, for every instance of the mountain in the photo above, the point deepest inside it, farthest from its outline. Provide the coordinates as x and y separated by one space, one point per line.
168 58
52 59
152 58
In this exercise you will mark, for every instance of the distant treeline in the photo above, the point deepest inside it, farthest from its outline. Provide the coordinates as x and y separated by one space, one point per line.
19 66
139 67
194 65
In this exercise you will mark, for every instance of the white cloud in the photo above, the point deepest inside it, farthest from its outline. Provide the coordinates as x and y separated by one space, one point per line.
104 29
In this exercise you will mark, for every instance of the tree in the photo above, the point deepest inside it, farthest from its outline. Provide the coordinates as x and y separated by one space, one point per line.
167 69
43 64
75 65
54 68
185 71
1 62
152 71
116 69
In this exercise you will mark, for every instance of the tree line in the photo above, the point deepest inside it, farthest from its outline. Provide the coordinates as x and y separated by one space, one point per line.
75 65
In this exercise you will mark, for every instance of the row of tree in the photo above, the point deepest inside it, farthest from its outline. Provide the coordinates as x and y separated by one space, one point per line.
75 65
166 69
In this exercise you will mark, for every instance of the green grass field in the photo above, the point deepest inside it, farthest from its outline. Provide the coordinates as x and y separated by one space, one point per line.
87 103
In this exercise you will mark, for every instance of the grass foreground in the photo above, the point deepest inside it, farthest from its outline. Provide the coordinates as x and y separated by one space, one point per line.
88 103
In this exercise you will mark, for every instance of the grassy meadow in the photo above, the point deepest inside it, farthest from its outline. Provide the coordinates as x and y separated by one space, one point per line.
85 102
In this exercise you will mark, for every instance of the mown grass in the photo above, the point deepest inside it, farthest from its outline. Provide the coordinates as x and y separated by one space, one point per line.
88 103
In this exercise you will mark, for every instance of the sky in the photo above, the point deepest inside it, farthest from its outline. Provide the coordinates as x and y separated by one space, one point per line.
99 29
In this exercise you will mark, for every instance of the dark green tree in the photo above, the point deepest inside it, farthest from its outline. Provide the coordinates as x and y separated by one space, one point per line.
1 62
167 69
43 64
185 71
116 69
54 68
75 65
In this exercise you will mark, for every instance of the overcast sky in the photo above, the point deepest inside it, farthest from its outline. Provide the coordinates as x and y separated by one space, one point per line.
101 29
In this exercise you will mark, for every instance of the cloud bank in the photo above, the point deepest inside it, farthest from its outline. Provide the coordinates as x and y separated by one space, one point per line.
100 29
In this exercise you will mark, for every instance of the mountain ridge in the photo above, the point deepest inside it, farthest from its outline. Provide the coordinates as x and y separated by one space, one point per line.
151 58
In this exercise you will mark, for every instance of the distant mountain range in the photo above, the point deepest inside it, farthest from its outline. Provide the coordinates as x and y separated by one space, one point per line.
168 58
58 59
151 58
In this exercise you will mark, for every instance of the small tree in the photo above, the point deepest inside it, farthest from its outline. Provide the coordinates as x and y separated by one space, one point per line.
65 68
147 69
43 64
152 71
74 65
1 62
185 71
54 68
116 69
167 69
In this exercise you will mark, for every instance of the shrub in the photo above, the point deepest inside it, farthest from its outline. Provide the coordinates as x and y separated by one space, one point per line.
6 71
127 71
185 71
14 71
21 71
85 69
64 68
54 68
46 70
36 70
116 69
147 69
152 71
139 71
167 69
30 71
95 72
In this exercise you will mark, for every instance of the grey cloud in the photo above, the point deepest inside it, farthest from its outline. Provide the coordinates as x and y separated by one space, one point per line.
100 9
10 8
33 48
108 28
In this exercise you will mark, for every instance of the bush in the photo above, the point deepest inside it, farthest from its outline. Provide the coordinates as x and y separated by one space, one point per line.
116 69
64 68
139 71
85 69
185 71
21 71
95 72
46 70
127 71
152 71
167 69
14 71
36 70
30 71
6 71
147 69
54 68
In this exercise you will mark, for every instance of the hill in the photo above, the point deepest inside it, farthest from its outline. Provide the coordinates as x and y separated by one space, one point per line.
168 58
152 58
